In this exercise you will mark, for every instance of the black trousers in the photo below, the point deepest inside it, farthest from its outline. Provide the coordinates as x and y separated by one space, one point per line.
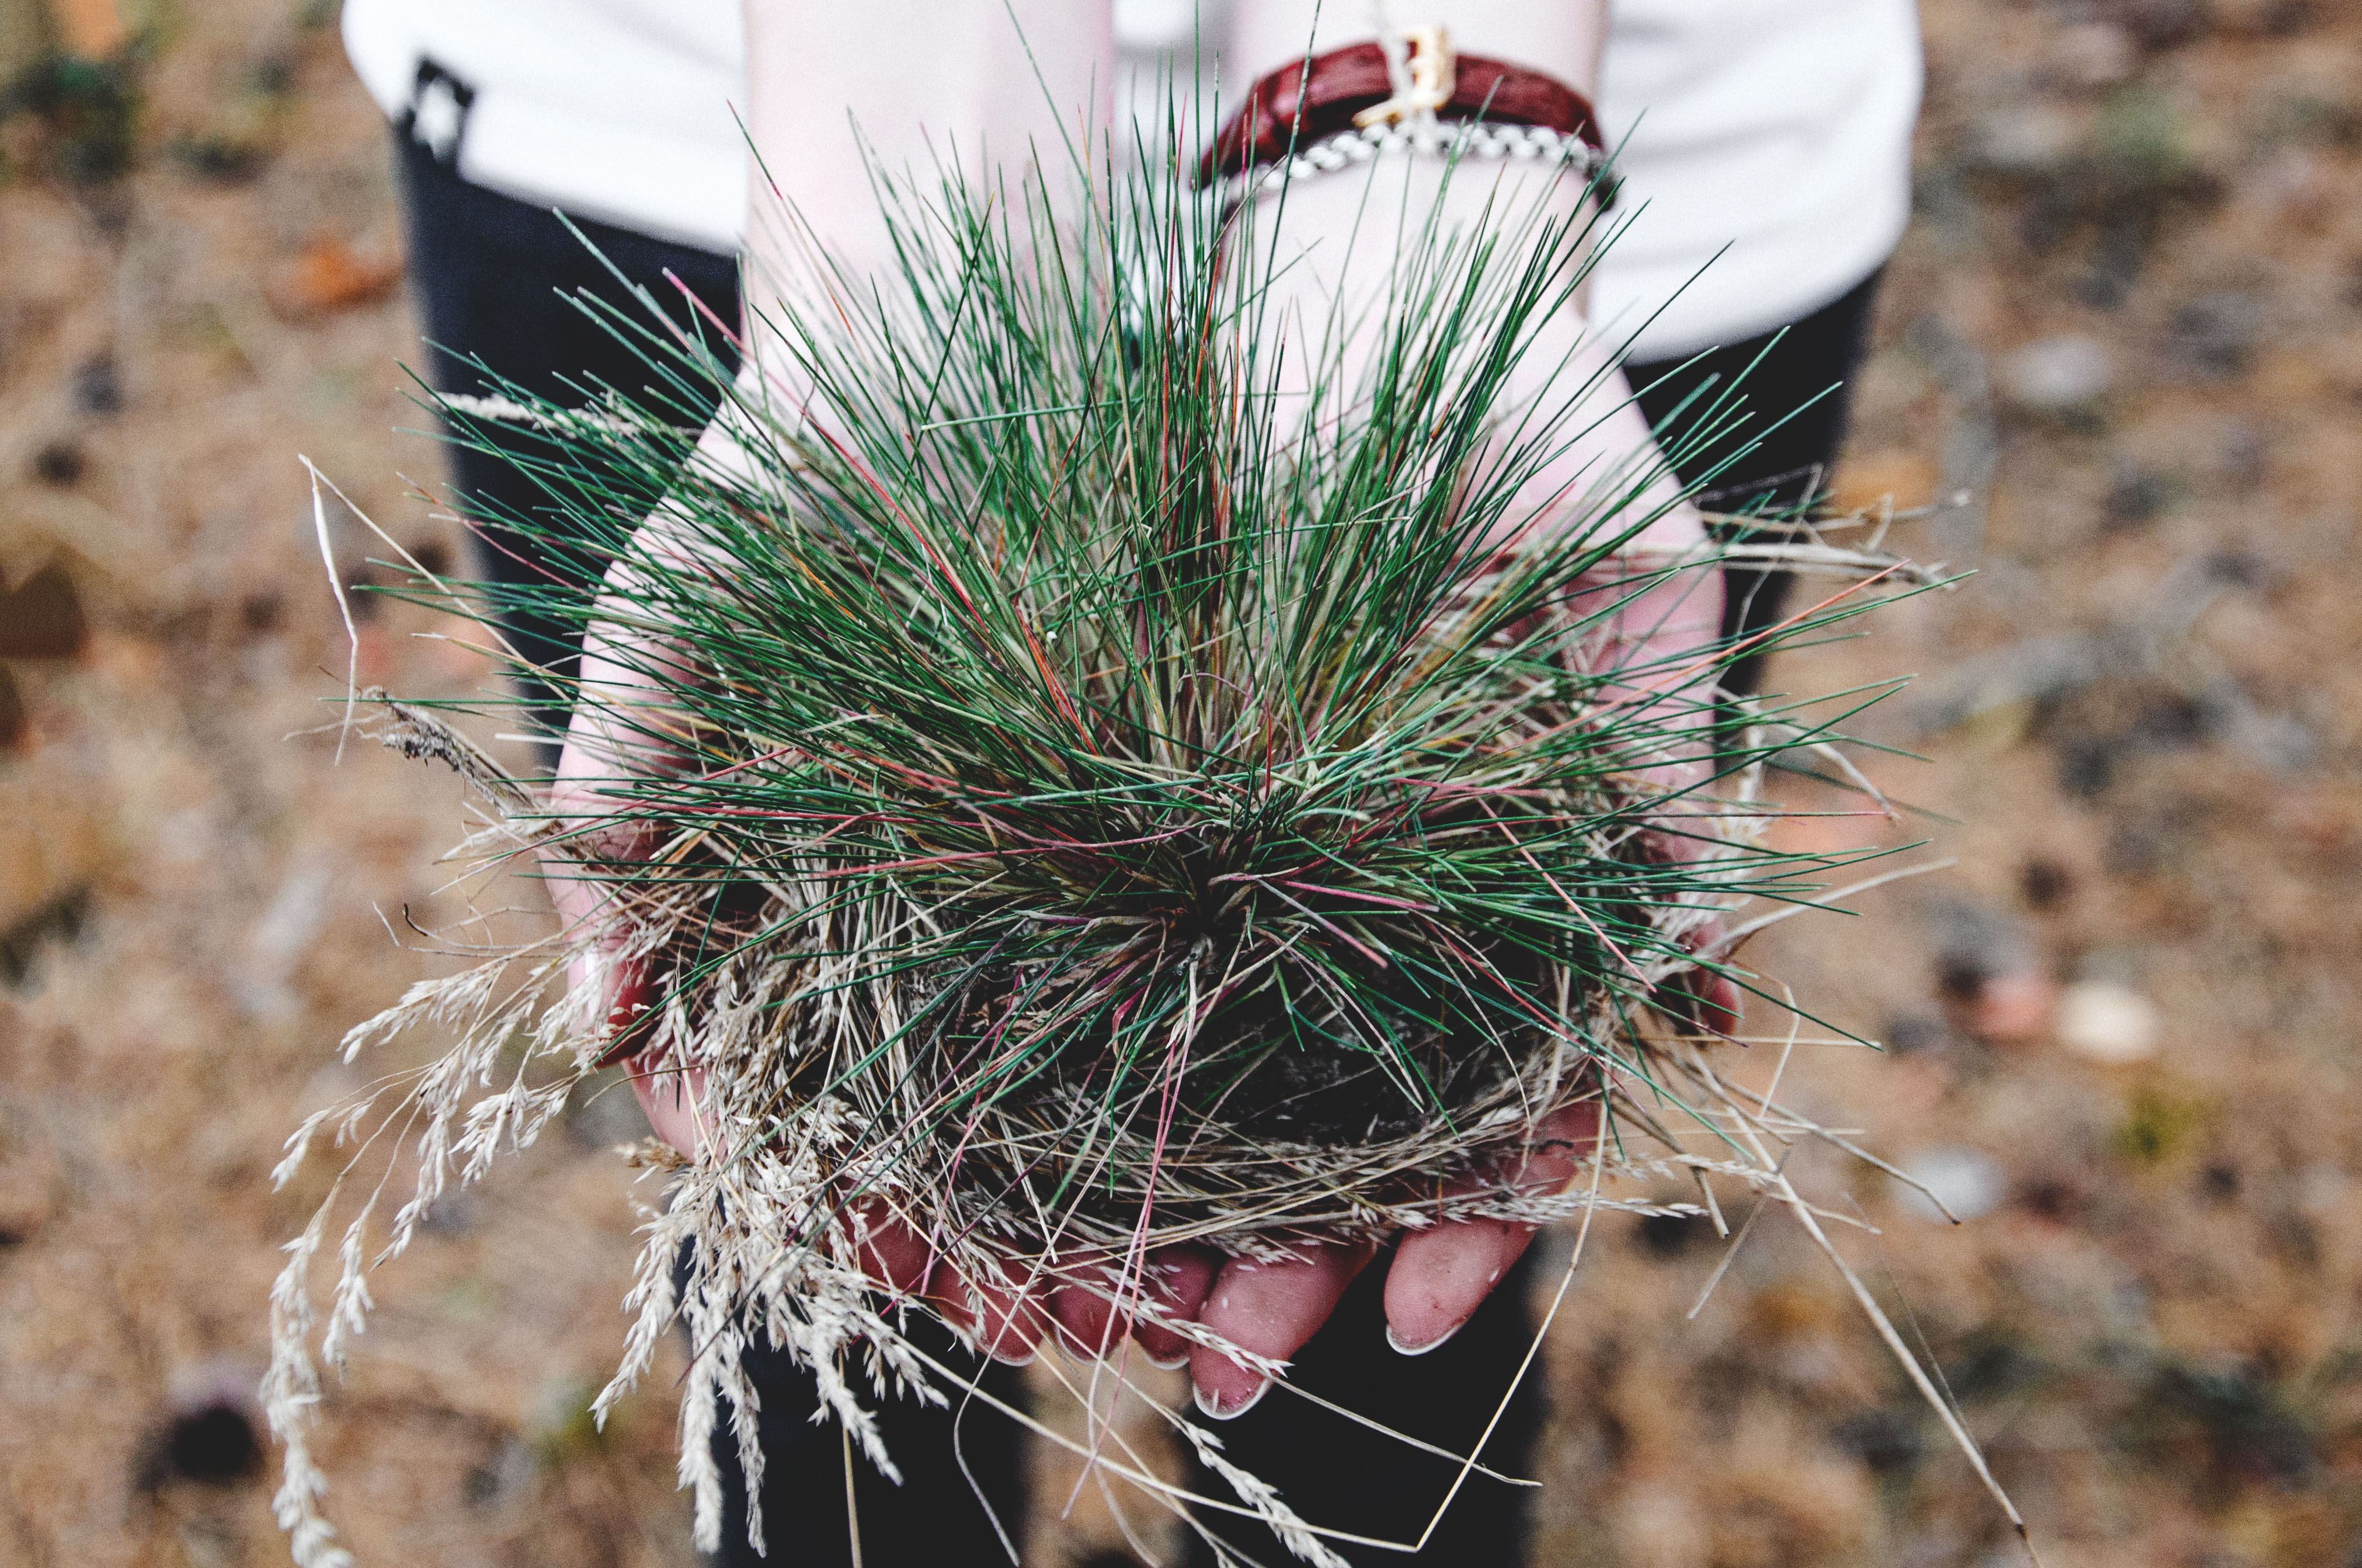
963 1492
497 281
1796 384
489 273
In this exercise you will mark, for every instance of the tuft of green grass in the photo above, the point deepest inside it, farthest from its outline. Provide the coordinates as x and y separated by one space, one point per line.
1101 741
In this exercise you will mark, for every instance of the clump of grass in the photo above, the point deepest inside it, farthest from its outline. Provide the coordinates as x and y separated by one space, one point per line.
1103 782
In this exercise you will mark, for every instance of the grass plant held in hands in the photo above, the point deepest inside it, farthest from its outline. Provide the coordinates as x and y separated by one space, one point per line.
1098 768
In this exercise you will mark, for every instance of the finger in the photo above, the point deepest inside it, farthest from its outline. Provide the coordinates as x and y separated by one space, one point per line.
1173 1287
1083 1307
1663 635
1561 1141
1270 1309
1718 1001
1011 1321
604 745
671 1098
625 1003
1658 633
1006 1321
1441 1275
891 1252
1087 1321
1094 1312
1714 999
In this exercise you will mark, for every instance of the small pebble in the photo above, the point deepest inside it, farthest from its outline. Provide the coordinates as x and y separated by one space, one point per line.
1968 1183
216 1445
2044 883
60 463
2060 375
1916 1032
2215 334
2093 55
2004 1008
2137 496
97 388
2024 141
210 1432
2108 1023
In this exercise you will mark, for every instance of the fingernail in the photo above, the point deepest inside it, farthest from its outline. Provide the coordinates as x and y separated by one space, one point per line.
1007 1360
1175 1365
1443 1338
1235 1411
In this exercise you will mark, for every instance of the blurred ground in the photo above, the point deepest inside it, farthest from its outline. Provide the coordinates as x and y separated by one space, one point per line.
2129 319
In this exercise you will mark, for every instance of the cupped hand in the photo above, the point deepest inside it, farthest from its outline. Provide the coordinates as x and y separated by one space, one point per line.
608 739
1437 1279
1659 640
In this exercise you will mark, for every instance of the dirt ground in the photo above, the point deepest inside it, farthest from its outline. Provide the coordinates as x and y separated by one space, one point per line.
2127 320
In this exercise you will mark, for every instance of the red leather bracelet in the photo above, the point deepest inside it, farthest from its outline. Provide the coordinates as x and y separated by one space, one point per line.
1309 101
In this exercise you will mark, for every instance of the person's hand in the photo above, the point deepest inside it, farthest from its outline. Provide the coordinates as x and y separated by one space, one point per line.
1660 638
1437 1278
611 740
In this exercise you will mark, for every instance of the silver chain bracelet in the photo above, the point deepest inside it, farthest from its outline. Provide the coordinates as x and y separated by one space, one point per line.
1477 140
